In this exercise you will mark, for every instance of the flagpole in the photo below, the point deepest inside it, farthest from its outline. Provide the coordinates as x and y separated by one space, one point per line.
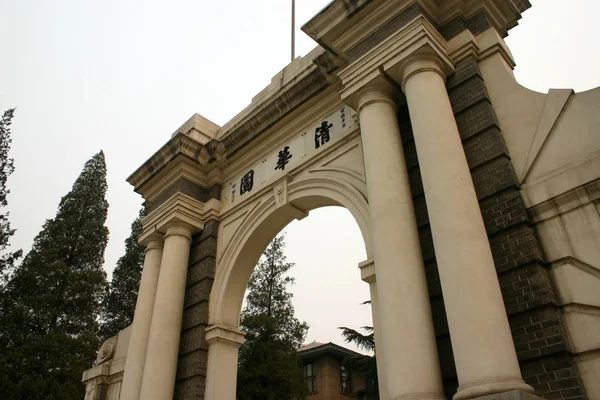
293 28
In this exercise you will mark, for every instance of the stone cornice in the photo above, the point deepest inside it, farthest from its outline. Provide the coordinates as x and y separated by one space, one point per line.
330 20
342 24
463 46
504 14
99 371
179 209
565 202
485 45
203 150
180 146
198 128
274 108
491 43
179 168
224 334
389 58
367 271
182 184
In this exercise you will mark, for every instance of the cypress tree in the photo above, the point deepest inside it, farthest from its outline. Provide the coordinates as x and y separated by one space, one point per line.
119 304
50 307
269 368
7 167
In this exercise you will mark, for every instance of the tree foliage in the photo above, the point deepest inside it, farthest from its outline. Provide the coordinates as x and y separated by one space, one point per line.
119 304
363 365
49 310
269 368
7 259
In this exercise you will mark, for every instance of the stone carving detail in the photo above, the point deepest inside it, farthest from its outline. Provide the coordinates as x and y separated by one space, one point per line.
280 190
280 194
107 350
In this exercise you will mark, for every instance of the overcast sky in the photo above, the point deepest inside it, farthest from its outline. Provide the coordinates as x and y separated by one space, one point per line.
123 75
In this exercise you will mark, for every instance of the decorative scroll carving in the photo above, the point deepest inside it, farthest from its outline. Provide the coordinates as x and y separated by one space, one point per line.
107 350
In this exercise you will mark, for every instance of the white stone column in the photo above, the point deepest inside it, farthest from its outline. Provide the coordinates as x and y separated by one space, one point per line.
367 274
142 318
411 360
485 356
158 382
221 372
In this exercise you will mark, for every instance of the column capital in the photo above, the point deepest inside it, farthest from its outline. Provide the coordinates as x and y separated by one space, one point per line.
224 334
180 213
387 62
367 271
377 92
154 240
426 62
380 89
180 228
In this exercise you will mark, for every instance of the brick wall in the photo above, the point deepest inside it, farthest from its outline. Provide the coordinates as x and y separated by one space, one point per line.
440 322
537 326
188 188
193 350
477 24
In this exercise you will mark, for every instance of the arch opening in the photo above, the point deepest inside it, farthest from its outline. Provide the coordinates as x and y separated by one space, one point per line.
265 222
327 293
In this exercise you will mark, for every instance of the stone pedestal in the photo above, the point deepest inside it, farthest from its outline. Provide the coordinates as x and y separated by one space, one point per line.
512 395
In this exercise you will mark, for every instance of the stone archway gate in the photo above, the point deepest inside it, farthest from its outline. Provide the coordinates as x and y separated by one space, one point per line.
370 120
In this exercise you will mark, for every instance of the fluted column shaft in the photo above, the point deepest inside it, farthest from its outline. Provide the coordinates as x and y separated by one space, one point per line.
411 360
142 318
158 382
484 353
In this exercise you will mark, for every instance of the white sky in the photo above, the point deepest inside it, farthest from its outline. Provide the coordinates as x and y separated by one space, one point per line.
123 75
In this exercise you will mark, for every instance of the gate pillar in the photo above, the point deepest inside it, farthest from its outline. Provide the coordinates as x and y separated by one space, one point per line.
484 353
411 359
367 274
223 344
140 329
178 219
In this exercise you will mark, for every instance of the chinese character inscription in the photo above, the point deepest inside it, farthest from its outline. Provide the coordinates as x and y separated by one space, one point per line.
322 135
283 158
247 182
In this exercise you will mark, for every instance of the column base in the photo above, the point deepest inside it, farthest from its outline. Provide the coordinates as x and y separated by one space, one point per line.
488 388
421 396
512 395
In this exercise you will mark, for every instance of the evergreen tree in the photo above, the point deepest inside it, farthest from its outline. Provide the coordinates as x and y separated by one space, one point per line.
269 368
119 304
364 365
6 169
49 311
